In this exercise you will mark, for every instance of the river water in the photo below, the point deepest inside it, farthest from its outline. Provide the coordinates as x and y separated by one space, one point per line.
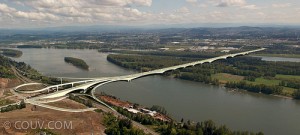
266 58
182 99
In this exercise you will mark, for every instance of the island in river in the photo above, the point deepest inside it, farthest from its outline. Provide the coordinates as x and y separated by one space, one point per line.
11 53
77 62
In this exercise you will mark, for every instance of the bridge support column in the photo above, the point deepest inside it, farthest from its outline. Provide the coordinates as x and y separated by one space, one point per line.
61 81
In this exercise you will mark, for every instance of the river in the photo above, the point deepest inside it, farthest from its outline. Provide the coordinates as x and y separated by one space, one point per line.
267 58
182 99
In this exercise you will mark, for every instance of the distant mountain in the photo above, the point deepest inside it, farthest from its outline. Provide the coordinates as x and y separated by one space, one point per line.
176 28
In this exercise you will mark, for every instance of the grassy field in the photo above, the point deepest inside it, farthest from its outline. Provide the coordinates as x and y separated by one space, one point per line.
286 77
5 102
224 77
265 81
280 55
288 91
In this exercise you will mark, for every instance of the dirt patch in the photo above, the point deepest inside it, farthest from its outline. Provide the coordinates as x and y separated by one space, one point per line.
115 102
9 83
68 104
82 123
3 82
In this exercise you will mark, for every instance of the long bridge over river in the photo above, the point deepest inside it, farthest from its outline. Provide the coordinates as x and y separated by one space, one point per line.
89 85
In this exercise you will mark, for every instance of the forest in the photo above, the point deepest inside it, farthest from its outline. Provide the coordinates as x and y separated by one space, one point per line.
11 52
5 68
77 62
27 70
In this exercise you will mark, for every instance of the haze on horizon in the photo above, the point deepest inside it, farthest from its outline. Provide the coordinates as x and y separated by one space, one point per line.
52 13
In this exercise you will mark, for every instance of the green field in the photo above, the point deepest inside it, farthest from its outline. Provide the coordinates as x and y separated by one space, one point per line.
287 77
288 91
5 102
224 77
265 81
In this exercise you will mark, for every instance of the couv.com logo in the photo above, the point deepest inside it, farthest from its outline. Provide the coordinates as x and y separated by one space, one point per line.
25 125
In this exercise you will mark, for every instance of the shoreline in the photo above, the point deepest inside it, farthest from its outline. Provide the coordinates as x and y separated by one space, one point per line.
235 89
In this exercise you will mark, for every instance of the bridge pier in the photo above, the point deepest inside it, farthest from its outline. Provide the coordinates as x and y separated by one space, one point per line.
128 78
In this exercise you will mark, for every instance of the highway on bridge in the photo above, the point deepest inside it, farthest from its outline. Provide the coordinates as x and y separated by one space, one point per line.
88 86
90 83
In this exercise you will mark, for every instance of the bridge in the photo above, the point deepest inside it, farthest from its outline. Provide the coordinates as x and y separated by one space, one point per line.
89 85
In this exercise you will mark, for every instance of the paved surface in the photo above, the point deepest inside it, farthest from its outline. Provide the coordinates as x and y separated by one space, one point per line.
105 80
57 108
90 84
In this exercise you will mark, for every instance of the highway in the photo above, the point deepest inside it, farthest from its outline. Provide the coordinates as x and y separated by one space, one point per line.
89 85
104 80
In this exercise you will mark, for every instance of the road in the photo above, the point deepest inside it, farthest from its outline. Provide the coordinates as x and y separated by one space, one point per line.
97 82
108 109
21 77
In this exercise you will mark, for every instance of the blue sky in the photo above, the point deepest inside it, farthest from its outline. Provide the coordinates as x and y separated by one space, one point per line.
47 13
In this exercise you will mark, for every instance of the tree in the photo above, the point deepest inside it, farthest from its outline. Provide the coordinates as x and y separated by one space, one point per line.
89 103
296 94
125 123
22 104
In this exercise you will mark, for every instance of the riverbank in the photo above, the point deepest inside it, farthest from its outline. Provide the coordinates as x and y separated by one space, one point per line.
248 73
156 119
183 99
11 52
133 108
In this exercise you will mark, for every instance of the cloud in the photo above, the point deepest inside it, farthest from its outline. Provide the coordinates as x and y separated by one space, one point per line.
35 15
281 5
227 3
5 9
250 7
12 12
132 12
85 3
183 10
78 11
191 1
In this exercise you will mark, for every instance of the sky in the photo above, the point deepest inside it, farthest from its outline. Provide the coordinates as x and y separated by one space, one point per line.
52 13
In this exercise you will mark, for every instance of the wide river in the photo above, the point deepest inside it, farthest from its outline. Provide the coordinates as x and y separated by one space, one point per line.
182 99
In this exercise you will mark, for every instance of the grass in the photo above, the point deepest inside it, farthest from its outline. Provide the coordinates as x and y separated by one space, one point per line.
6 102
265 81
224 77
287 77
288 91
7 93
